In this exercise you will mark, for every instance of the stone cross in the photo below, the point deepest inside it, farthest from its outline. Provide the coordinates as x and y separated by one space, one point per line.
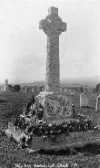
53 26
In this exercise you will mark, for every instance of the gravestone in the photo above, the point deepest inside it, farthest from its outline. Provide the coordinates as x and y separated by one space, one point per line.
84 99
98 103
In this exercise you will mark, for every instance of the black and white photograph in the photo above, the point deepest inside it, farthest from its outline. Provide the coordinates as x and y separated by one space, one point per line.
49 83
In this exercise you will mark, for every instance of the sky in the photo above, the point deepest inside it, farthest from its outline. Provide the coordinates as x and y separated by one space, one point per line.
23 45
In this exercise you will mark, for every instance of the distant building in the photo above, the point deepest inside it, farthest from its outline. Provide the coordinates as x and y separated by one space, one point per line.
32 89
5 86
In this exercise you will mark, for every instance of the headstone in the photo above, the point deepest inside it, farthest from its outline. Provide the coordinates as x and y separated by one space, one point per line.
98 103
84 100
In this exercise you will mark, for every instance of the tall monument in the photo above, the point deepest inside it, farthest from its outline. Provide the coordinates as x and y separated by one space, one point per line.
51 99
53 26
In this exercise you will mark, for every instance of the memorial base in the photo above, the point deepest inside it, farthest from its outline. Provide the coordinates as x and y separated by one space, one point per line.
55 105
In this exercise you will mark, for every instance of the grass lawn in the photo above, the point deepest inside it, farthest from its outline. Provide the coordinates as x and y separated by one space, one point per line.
10 156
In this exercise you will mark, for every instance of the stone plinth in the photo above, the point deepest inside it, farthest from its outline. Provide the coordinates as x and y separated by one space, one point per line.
55 104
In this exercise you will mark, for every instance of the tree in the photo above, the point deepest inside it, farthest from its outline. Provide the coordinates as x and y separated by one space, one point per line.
81 89
10 87
17 88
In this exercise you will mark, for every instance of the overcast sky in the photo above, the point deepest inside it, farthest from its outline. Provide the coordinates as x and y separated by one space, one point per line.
23 45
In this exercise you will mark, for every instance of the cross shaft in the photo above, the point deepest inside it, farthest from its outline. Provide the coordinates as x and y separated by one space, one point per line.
53 26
